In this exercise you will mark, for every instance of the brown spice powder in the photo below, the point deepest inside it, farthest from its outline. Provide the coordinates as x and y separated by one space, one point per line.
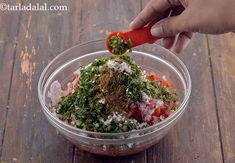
113 90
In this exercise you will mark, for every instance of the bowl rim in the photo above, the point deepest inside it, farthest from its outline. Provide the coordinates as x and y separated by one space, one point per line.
166 121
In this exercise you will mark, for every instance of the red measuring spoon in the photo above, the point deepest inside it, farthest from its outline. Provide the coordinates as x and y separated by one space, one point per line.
138 36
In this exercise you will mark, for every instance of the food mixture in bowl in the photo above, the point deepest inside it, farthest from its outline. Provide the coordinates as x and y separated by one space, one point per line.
113 94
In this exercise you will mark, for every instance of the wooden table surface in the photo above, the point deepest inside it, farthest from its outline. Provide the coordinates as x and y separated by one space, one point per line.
29 40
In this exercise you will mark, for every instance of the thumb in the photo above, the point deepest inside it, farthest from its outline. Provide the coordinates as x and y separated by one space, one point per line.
170 26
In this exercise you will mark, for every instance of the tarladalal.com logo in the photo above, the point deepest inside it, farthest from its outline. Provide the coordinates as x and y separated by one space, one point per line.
32 7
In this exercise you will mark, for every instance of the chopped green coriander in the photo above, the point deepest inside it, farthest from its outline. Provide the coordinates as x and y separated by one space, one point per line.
112 94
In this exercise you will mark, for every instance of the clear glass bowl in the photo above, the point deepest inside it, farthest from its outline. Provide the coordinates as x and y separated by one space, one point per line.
151 57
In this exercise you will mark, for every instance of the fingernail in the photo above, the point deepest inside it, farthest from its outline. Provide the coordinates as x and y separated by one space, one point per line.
156 30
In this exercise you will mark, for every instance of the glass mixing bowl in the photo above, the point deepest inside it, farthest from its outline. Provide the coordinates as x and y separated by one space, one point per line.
151 57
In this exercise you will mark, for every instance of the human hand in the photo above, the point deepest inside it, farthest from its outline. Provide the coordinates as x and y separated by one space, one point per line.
172 17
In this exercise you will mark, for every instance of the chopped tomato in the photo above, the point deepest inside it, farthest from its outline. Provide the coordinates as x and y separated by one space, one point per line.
153 76
167 83
150 122
159 111
73 78
76 85
135 113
